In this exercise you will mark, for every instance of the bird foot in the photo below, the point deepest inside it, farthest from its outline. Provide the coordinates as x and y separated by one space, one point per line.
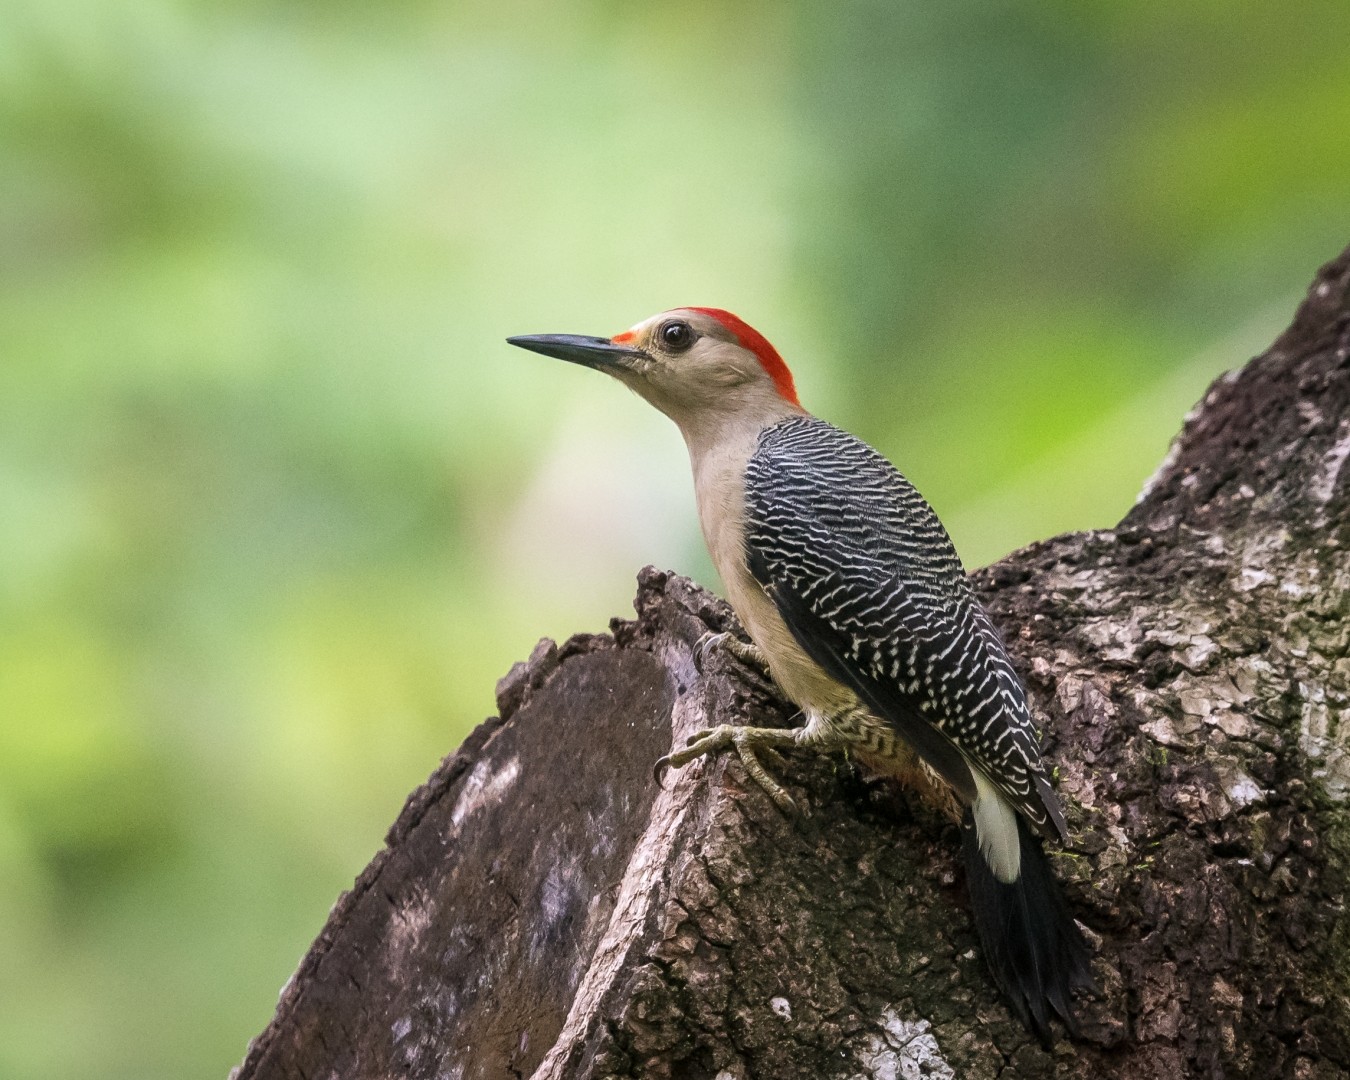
748 742
743 651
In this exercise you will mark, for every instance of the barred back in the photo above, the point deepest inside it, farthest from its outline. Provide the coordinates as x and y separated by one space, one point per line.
868 581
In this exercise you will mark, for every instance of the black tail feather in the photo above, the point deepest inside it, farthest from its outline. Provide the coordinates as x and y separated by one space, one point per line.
1033 946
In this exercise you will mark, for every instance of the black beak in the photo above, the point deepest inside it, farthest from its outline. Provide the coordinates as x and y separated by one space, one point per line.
592 352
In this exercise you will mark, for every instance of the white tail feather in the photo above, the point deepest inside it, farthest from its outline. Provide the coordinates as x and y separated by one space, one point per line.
996 829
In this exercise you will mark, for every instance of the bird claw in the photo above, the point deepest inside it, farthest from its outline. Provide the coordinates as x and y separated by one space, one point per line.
743 651
773 757
785 802
703 650
747 742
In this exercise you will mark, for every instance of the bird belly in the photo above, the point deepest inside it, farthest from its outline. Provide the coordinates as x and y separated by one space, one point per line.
800 678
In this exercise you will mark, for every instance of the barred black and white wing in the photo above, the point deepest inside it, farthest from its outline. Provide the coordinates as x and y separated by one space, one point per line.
867 580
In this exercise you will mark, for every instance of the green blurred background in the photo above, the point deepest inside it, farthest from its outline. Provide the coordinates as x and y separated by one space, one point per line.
278 506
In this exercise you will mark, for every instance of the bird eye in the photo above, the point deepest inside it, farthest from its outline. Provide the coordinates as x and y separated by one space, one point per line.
676 336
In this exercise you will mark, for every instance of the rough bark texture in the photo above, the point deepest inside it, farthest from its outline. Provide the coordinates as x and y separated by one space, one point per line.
543 909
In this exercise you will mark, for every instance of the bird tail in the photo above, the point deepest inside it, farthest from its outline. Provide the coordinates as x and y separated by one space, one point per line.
1033 946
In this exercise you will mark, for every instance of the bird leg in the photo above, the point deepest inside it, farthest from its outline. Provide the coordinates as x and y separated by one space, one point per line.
746 740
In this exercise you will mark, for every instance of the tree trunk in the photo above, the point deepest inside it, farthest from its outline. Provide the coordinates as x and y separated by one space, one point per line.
544 909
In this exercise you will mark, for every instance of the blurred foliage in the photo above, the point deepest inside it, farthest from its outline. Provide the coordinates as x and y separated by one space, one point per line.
277 505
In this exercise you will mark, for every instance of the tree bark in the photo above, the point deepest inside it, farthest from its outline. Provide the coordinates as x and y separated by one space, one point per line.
544 909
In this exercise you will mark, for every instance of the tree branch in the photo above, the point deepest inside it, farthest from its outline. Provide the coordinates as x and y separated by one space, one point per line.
542 908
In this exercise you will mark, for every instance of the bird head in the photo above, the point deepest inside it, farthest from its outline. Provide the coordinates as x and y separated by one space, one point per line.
692 363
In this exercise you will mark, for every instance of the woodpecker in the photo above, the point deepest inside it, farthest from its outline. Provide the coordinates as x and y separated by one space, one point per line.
859 608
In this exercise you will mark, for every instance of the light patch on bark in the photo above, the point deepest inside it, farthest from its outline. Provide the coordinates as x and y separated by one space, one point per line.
555 902
1198 656
1176 733
1253 578
1261 551
1195 701
1323 486
408 922
1321 738
903 1050
1240 788
1115 639
484 787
